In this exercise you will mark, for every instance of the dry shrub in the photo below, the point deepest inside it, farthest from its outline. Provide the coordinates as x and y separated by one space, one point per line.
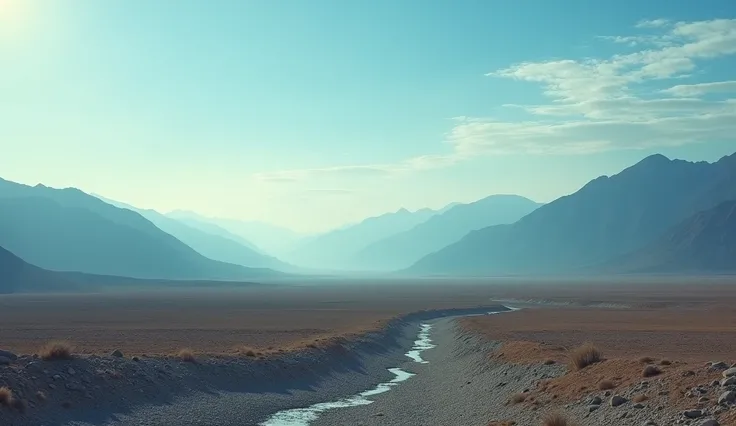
56 351
606 385
665 362
246 350
585 355
6 396
646 360
555 419
186 355
640 398
517 398
651 371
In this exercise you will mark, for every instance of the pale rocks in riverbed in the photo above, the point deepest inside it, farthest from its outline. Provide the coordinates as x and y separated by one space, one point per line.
727 397
730 372
728 381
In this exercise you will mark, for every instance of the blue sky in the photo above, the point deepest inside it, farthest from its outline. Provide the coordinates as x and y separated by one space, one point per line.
311 114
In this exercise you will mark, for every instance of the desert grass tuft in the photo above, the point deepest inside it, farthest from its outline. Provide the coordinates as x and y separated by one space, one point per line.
640 398
555 419
585 355
651 371
186 355
6 396
606 385
517 398
56 351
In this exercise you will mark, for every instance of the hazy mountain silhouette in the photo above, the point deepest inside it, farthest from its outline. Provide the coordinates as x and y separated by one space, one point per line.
212 246
16 275
336 249
703 243
608 217
263 237
404 249
68 230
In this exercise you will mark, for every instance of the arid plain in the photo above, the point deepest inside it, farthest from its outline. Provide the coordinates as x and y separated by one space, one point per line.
675 317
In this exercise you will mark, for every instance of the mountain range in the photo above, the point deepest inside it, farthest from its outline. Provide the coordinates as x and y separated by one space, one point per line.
606 219
69 230
335 250
215 243
402 249
260 236
657 216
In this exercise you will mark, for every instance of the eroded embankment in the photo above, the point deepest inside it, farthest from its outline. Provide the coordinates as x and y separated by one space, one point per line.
215 390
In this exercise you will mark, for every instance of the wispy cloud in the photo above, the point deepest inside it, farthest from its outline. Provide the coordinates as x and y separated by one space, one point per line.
596 104
693 90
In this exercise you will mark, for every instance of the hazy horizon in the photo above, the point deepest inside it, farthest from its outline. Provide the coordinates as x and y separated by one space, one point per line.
313 115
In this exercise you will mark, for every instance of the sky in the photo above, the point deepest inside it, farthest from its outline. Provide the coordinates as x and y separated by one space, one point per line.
314 113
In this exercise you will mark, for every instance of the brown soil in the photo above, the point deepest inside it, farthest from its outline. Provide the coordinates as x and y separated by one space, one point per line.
266 318
685 328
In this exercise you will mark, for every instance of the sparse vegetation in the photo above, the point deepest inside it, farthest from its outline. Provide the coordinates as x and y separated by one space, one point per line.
186 355
6 396
56 351
665 362
606 385
517 398
640 398
646 360
585 355
555 419
651 371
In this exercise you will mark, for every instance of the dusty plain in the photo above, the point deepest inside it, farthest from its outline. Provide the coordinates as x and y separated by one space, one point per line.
670 316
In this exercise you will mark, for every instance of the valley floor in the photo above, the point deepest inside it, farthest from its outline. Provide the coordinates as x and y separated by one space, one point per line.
680 325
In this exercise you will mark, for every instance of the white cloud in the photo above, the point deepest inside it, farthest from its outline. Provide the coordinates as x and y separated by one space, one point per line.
653 23
597 104
693 90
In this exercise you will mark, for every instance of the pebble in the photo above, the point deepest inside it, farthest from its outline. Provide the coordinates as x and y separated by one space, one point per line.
709 422
4 360
727 397
596 401
117 353
730 372
593 407
617 400
639 405
693 414
728 381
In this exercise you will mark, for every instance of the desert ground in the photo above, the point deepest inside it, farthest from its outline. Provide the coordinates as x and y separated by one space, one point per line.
481 363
